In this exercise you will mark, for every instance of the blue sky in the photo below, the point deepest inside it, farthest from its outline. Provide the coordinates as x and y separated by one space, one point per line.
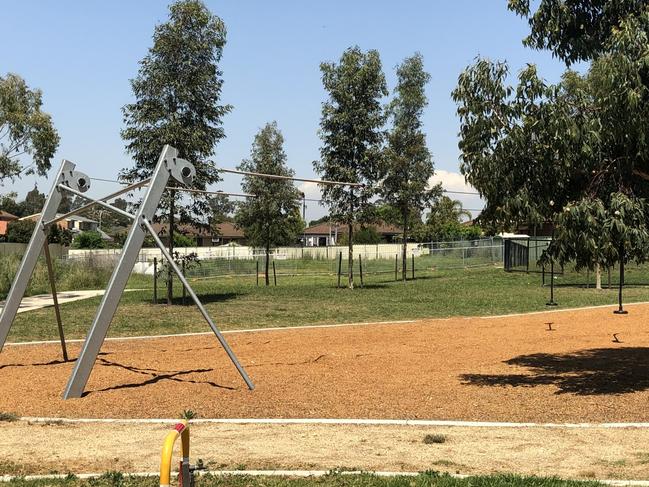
82 54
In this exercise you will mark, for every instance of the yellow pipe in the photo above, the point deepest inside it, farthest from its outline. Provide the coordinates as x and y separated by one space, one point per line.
180 429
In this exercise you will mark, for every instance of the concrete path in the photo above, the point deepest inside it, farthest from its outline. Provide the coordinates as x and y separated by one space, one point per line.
30 303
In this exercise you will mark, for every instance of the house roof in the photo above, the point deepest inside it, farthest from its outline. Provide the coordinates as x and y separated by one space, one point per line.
226 229
77 218
229 230
5 215
326 229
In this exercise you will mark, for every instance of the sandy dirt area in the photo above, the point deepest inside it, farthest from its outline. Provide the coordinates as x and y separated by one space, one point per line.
497 369
569 453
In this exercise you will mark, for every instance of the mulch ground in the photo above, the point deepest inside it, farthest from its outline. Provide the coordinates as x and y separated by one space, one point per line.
495 369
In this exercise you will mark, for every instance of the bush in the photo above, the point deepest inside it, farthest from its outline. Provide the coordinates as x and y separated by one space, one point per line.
89 240
20 231
71 275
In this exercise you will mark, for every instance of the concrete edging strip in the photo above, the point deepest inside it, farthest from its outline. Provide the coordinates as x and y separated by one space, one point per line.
342 421
284 473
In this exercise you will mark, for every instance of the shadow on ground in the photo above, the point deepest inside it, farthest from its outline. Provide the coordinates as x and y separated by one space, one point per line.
586 372
153 376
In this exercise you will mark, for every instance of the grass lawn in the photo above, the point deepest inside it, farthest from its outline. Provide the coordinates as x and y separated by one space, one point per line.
333 480
236 302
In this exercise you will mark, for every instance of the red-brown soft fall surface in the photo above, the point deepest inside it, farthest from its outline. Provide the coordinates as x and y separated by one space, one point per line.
496 369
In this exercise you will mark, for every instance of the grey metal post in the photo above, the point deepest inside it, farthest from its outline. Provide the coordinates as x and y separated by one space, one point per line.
68 176
167 166
155 280
200 306
57 311
360 268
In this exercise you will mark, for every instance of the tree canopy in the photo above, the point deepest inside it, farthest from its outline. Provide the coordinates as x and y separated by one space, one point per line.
177 98
272 217
574 153
574 30
351 129
408 164
25 130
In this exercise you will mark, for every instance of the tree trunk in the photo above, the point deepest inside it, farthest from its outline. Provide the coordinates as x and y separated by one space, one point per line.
267 263
404 250
170 285
350 258
598 277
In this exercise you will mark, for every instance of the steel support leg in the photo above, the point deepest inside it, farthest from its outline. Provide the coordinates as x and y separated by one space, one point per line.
83 367
67 176
57 310
200 306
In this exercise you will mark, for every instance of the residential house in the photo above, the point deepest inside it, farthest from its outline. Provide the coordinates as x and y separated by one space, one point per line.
75 223
326 234
226 233
5 218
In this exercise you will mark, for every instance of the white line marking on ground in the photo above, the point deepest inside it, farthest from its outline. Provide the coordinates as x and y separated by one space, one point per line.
342 421
337 325
247 330
283 473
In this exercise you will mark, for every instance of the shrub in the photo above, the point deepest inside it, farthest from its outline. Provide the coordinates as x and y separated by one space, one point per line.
434 439
20 231
89 240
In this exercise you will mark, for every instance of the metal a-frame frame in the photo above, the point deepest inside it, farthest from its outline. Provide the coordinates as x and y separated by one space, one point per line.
169 166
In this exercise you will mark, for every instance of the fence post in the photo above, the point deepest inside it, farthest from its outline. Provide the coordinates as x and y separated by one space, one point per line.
340 263
257 272
360 268
396 265
184 288
609 277
413 266
274 273
155 280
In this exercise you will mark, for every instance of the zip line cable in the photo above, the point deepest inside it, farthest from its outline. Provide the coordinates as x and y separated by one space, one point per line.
272 176
292 178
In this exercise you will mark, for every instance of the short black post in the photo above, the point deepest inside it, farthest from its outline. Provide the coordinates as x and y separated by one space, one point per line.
360 268
274 273
155 280
543 276
609 277
340 266
396 266
551 302
621 310
184 288
257 272
413 267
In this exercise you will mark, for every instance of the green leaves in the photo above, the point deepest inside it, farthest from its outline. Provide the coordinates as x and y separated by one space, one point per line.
177 91
351 132
408 164
272 217
24 129
575 30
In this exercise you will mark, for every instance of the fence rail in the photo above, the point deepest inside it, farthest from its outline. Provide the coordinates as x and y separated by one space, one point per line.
376 259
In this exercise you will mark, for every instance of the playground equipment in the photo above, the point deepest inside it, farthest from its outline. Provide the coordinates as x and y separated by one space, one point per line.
185 470
68 179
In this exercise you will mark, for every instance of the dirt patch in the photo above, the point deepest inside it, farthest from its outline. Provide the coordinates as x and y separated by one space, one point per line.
498 369
79 448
